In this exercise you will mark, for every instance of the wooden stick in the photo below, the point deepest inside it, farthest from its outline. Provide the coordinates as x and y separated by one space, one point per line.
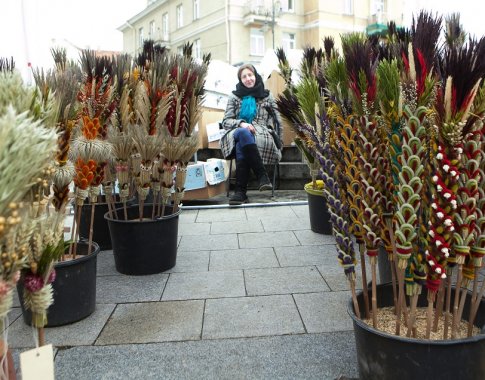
41 335
125 211
155 199
474 311
439 306
373 262
473 299
454 324
429 315
364 280
78 222
354 298
412 313
448 305
140 209
72 231
464 292
401 299
392 259
91 223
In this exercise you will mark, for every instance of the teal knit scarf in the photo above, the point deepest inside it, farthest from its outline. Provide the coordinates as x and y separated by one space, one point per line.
248 109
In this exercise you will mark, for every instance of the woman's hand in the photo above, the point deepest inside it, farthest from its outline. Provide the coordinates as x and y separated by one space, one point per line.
248 126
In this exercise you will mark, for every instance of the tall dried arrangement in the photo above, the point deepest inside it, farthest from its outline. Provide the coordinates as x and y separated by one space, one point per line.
28 234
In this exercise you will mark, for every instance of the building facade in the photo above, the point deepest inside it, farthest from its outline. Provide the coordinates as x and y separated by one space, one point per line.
236 31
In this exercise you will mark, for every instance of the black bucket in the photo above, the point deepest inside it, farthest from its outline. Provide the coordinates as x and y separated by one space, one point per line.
319 215
144 247
385 356
100 226
74 289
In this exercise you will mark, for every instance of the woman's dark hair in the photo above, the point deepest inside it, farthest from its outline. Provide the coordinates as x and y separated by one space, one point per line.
245 66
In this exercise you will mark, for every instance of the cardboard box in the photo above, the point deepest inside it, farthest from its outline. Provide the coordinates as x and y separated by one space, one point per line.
208 116
206 192
215 173
276 84
195 177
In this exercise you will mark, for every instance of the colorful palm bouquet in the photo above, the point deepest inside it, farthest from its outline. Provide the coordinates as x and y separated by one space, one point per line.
398 130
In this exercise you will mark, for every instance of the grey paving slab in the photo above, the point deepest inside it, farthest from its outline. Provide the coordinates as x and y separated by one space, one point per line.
271 211
284 280
191 261
106 264
121 289
215 284
188 216
324 312
308 356
238 226
243 259
13 314
207 243
221 215
194 229
154 322
308 237
284 224
15 299
267 239
336 279
80 333
251 316
307 255
301 211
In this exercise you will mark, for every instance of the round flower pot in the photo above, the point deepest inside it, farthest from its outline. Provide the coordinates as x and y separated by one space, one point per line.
319 215
147 246
74 289
100 226
384 356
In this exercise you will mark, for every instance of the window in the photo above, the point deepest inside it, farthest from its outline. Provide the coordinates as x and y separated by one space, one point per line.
165 27
348 7
376 7
290 6
141 38
151 33
197 52
256 42
287 6
289 41
196 9
180 16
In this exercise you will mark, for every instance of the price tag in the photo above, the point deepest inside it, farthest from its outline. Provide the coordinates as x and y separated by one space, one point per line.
37 363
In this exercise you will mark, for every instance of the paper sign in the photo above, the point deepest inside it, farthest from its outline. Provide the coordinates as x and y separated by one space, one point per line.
37 363
213 132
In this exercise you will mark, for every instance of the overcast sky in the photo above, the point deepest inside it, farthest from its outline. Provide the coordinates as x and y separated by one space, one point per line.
29 27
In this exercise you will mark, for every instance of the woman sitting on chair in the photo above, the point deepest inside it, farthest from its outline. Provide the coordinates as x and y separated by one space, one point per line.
250 119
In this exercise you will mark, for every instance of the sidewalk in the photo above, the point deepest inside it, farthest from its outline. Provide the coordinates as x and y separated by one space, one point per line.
255 294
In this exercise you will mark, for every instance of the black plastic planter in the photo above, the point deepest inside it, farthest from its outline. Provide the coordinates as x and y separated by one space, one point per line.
100 226
74 289
319 215
147 246
385 356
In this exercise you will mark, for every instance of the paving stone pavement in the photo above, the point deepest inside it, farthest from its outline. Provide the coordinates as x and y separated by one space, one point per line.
255 294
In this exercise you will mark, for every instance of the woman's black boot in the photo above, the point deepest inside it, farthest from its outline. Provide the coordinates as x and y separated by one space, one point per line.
242 177
252 156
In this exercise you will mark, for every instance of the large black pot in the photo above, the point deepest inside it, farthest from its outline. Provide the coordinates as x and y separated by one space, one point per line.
74 289
319 215
147 246
385 356
100 226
